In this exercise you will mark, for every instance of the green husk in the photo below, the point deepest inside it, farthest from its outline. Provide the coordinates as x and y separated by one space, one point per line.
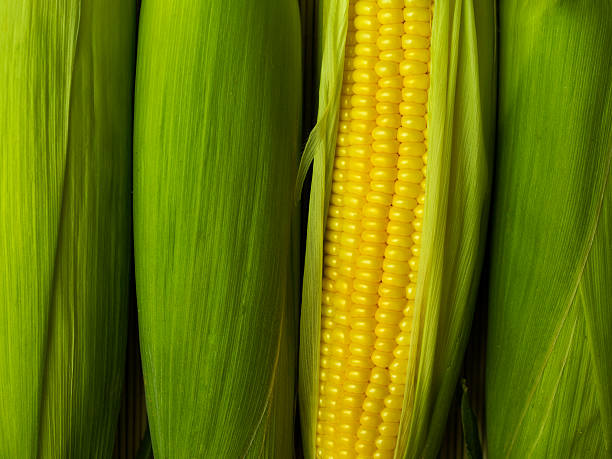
461 130
217 125
549 372
66 85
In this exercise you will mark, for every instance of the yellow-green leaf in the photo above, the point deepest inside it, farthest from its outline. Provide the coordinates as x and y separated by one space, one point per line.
217 125
66 87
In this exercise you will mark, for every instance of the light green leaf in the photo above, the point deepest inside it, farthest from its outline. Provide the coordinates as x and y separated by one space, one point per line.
217 125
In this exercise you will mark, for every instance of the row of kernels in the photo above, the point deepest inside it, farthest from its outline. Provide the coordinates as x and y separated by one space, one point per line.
398 369
365 284
388 315
388 95
363 115
370 262
353 376
335 328
413 134
385 146
399 259
384 161
330 377
403 259
332 345
375 393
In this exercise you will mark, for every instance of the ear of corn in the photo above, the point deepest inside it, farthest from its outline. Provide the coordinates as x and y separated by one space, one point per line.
66 83
218 97
398 209
549 371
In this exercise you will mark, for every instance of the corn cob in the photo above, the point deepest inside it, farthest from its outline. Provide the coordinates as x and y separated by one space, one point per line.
549 371
217 115
66 83
400 181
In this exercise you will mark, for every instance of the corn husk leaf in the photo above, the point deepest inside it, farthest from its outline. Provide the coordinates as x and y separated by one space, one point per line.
217 125
461 124
66 83
549 372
